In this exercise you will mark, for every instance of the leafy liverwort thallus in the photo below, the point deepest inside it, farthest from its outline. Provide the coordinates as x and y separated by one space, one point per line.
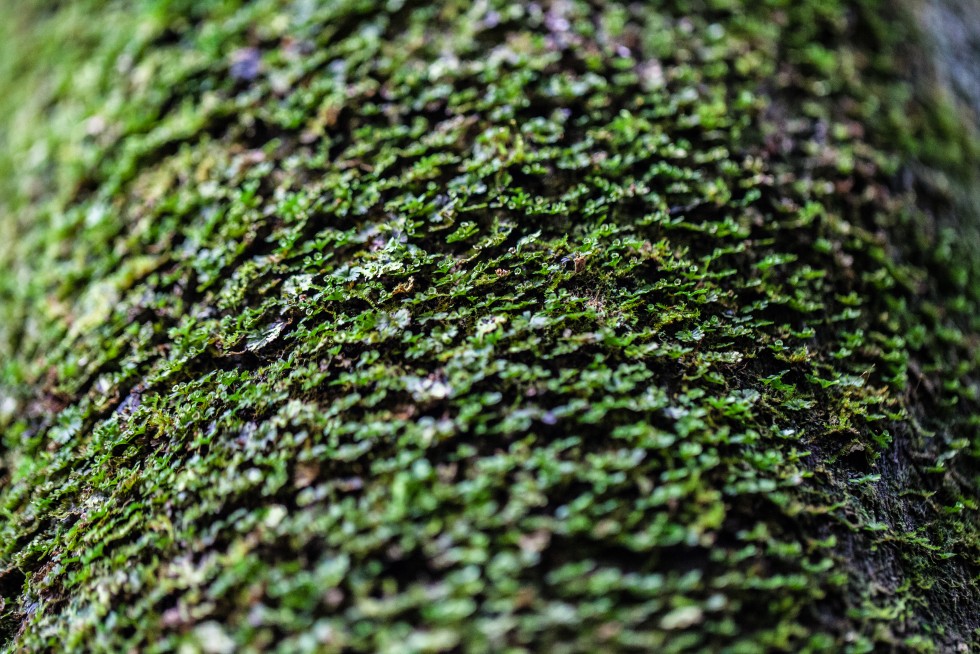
489 326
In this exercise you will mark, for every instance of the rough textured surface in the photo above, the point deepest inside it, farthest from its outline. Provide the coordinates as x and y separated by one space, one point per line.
475 326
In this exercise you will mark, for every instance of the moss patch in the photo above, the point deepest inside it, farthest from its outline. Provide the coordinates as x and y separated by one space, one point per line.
574 326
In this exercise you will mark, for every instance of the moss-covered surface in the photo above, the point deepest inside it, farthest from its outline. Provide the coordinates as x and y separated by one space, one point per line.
483 326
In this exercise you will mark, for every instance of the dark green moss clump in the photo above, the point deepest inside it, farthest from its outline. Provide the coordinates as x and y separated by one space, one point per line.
484 326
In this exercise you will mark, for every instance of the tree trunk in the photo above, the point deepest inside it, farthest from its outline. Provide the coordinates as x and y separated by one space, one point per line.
573 326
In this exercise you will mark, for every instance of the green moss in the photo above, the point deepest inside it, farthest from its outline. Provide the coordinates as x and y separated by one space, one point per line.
484 327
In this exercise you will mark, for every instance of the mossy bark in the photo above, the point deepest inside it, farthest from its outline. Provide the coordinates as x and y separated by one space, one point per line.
487 326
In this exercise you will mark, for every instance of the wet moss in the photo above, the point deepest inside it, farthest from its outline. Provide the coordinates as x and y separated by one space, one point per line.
574 326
